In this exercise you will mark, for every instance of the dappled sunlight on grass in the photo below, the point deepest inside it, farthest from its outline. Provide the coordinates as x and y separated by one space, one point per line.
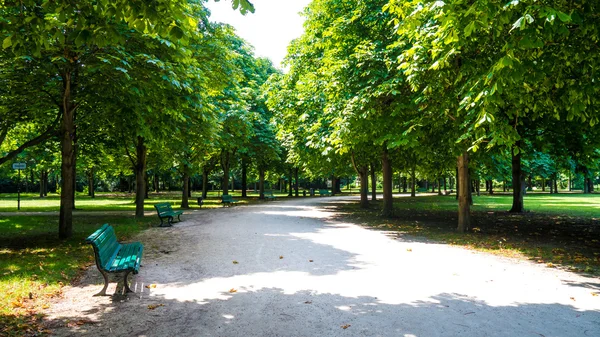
35 265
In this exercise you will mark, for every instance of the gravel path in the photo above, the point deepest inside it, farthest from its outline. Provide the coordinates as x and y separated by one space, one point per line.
299 272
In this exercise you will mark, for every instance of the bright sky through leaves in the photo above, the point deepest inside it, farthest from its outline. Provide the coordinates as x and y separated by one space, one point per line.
270 29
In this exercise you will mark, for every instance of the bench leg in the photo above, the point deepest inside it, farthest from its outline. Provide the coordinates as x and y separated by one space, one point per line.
127 289
178 219
103 291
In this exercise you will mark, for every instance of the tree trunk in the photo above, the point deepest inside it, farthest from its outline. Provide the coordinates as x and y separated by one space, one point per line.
185 201
388 201
439 183
404 184
373 183
478 186
147 187
556 186
464 212
529 184
333 185
543 184
291 182
45 183
205 173
140 170
244 177
413 183
491 187
518 179
296 181
363 173
67 127
91 183
445 190
458 186
551 187
261 184
156 183
42 183
225 165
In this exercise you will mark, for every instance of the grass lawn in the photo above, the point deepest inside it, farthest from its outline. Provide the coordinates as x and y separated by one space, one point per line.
560 231
35 264
31 202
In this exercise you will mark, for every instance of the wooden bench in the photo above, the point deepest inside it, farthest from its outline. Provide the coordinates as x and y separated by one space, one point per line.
165 211
325 193
114 257
227 200
269 195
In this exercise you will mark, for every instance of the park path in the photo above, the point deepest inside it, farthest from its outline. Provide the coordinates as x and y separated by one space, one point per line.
301 271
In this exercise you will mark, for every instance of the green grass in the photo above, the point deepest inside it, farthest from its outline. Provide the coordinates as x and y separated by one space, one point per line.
558 231
111 202
35 264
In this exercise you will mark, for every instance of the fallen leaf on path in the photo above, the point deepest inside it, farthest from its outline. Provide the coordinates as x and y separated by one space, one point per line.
594 294
310 260
233 290
346 326
151 286
573 298
308 302
409 249
235 262
281 257
154 306
550 265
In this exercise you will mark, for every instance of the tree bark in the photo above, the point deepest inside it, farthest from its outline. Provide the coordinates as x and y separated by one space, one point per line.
373 183
65 224
363 172
404 184
491 191
296 181
556 185
185 201
388 201
518 179
205 173
91 183
75 146
140 170
333 185
464 211
413 183
445 190
291 183
244 178
156 183
261 184
478 186
42 180
439 183
225 165
458 187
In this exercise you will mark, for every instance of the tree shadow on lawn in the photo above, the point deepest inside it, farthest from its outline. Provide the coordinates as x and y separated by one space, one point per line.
554 239
277 312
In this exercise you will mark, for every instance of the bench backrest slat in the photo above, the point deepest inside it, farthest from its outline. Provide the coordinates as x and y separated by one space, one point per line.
163 208
227 197
105 245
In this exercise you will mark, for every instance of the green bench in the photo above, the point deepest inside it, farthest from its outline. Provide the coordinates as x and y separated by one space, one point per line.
227 200
269 195
325 193
165 211
114 257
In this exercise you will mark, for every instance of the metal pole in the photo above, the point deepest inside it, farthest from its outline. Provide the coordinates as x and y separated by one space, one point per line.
19 192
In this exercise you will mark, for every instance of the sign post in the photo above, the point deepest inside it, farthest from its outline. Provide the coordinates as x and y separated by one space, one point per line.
19 166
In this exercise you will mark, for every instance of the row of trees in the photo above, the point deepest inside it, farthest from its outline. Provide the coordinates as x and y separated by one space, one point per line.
429 90
136 84
443 87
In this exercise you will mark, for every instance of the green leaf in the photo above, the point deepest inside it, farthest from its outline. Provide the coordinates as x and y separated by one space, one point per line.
7 42
563 17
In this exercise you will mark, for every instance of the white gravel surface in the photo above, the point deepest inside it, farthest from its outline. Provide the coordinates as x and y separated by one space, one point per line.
299 272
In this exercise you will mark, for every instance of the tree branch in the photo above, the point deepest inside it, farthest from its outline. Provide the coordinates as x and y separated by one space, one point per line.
49 133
